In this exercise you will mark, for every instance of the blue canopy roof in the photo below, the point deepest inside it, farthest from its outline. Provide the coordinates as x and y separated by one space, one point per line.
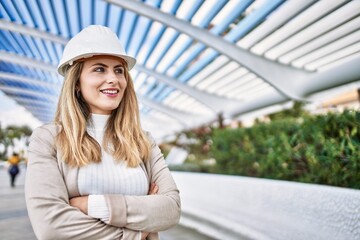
196 58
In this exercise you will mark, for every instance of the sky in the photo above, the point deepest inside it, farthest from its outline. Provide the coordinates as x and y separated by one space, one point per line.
12 113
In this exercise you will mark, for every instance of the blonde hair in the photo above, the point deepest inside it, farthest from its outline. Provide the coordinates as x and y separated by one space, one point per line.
123 138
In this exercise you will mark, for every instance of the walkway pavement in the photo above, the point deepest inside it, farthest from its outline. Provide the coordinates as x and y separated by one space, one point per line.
15 224
14 221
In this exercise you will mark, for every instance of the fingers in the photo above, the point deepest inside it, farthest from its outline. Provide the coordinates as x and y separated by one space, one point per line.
154 189
80 202
144 235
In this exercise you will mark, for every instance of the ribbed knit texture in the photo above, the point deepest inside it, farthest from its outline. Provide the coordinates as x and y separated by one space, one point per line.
108 176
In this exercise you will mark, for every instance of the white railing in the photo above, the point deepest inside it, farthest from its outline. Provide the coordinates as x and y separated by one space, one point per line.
233 207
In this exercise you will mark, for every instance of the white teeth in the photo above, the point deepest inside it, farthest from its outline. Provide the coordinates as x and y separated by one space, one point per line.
109 91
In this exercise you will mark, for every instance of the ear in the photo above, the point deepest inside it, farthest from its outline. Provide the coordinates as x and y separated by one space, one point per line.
77 86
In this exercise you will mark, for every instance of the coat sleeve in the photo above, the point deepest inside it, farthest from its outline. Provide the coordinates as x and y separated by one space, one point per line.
151 213
47 198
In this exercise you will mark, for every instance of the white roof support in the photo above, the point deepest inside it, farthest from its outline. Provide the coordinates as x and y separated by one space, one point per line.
259 103
17 90
274 73
39 110
218 104
13 58
318 80
25 61
39 113
338 75
186 119
25 100
152 121
325 80
14 27
214 102
48 67
22 79
334 77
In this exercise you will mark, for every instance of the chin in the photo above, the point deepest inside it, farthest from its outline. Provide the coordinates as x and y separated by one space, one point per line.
111 109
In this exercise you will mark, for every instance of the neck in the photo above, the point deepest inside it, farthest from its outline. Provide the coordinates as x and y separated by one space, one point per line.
98 121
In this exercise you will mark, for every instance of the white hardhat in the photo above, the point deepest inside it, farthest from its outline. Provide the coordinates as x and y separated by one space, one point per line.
93 40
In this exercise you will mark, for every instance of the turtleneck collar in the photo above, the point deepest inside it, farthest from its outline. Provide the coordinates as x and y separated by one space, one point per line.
98 121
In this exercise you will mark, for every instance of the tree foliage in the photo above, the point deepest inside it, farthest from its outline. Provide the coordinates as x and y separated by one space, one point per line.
320 149
294 146
9 134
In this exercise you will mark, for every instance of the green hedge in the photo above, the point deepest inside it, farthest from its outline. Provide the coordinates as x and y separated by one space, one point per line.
322 149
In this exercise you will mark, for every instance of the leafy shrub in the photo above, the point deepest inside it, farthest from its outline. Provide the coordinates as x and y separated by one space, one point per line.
322 149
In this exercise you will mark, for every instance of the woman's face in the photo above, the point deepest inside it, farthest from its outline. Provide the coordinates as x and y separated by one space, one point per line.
102 83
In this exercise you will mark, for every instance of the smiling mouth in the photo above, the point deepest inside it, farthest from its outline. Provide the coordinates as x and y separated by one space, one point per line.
106 91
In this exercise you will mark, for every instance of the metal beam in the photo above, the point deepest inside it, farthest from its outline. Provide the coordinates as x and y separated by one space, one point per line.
187 119
22 79
332 78
259 103
280 74
14 58
339 75
274 73
38 110
153 119
153 122
304 85
43 117
17 90
24 100
14 27
217 104
160 107
25 61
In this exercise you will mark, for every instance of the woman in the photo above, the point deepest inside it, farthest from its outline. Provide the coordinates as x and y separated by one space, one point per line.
14 170
94 174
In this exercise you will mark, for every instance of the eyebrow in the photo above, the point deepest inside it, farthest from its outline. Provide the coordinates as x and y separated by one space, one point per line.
104 65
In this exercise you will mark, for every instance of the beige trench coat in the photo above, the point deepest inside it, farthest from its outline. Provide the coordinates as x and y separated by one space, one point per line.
50 183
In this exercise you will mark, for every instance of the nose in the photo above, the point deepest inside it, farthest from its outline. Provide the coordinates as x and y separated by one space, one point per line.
111 78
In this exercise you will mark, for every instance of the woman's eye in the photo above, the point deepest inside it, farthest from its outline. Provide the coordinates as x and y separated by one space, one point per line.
99 69
119 70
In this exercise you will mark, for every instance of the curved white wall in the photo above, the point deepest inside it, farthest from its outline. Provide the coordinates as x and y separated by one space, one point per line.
233 207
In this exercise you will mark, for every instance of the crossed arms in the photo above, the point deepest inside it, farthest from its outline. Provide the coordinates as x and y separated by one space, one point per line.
53 217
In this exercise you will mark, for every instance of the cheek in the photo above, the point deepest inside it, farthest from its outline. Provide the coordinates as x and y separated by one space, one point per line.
88 84
82 83
123 83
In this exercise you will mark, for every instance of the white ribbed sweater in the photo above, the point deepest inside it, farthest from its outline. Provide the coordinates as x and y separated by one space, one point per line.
108 176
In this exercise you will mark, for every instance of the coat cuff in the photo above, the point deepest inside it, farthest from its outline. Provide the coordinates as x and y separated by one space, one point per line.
97 208
117 208
129 234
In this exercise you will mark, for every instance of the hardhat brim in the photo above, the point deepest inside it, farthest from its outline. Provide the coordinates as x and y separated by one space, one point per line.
64 66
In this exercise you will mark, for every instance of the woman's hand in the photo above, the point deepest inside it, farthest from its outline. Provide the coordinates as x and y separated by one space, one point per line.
144 235
80 203
152 191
